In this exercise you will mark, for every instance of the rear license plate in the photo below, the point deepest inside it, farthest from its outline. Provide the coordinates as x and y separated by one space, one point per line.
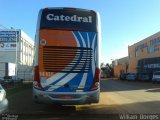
65 97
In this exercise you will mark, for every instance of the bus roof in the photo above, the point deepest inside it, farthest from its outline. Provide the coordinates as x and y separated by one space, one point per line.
68 8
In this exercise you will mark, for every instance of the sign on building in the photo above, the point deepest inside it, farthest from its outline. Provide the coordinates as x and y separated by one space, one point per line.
9 39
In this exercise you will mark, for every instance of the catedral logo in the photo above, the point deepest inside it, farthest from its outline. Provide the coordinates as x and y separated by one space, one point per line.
74 18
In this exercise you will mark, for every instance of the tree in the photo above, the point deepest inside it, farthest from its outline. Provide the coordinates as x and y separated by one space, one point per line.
110 70
102 65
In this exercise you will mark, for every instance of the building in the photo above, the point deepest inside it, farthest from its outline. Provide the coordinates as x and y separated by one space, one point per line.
144 56
120 66
18 48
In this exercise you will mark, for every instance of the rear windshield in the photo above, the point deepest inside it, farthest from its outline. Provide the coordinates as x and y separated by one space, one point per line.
68 19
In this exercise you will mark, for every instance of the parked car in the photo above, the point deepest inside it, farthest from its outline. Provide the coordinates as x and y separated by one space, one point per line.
131 76
11 80
144 76
156 77
122 76
1 80
3 100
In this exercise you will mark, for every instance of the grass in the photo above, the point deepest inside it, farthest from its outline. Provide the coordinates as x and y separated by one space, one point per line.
19 88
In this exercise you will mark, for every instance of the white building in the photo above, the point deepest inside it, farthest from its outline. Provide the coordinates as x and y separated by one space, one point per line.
16 47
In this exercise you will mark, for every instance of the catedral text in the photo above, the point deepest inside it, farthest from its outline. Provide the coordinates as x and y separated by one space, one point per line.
74 18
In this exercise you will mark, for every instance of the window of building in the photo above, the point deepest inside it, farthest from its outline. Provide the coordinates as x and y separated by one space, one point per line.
21 57
150 49
21 46
136 53
130 55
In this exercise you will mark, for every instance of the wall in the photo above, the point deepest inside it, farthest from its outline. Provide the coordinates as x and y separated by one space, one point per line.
118 69
147 48
120 66
25 54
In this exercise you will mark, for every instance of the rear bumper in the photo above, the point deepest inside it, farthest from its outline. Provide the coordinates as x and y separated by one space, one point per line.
66 98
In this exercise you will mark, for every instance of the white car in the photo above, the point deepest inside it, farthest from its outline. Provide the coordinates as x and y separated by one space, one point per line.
156 76
3 100
131 76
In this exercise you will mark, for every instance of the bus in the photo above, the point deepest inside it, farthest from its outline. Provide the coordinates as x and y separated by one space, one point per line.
66 63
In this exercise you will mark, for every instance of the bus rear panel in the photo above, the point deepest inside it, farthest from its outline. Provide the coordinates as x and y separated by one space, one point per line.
66 67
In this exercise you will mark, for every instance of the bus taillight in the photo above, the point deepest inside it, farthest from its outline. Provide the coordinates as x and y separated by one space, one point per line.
95 84
36 81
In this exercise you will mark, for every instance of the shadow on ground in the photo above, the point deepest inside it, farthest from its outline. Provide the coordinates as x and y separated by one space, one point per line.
113 85
96 111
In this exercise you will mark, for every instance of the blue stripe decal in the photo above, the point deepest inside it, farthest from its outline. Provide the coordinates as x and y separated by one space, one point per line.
84 35
89 80
74 82
59 79
91 37
79 39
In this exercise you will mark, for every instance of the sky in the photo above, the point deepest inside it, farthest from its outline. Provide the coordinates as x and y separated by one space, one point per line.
123 22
